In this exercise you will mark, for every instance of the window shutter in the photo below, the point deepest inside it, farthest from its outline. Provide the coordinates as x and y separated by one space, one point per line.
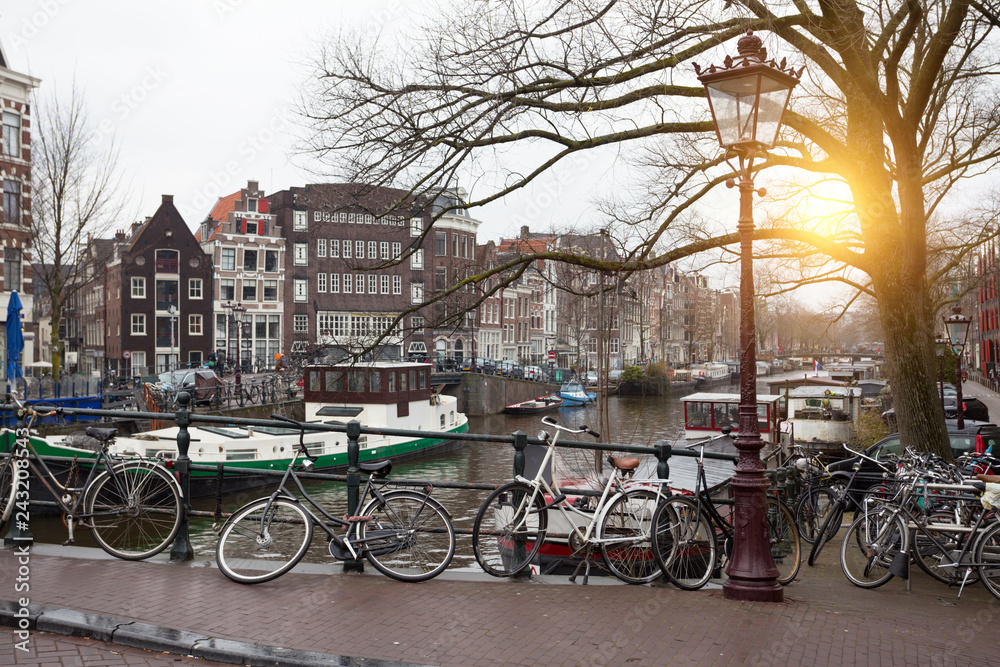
262 226
243 225
262 205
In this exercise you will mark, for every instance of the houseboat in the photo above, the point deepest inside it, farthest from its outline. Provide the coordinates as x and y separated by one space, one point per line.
823 417
705 414
711 374
380 394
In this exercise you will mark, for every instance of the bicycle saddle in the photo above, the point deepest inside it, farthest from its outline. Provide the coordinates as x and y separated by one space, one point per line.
102 434
623 463
380 469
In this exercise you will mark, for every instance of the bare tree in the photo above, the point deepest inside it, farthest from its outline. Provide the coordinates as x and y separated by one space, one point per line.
899 106
77 196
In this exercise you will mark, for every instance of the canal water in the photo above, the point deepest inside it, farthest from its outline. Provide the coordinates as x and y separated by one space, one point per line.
634 420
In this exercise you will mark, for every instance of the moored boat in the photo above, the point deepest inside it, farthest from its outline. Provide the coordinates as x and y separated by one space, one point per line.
378 394
711 373
539 404
574 394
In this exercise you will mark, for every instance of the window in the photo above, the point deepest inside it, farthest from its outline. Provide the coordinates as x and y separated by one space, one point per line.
397 285
454 244
251 205
416 226
300 221
359 249
347 249
194 288
334 283
138 325
397 250
138 286
221 321
250 226
301 290
167 261
227 289
385 284
301 324
417 259
334 248
195 325
321 283
249 290
11 202
372 283
440 277
359 283
301 256
321 247
271 260
348 282
270 290
11 134
465 246
249 260
229 259
416 292
373 250
440 243
166 294
417 324
384 250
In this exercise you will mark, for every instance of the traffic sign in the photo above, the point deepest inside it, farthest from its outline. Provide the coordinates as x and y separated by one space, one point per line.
126 355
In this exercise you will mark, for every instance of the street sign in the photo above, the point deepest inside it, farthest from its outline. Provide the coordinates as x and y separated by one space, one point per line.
126 354
552 355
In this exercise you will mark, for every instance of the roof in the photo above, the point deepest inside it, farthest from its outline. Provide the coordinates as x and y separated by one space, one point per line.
727 398
524 246
824 392
220 213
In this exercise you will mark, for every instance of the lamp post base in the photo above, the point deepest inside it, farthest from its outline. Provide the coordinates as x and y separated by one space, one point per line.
753 591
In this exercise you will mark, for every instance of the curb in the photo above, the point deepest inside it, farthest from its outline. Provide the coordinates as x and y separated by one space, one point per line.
133 634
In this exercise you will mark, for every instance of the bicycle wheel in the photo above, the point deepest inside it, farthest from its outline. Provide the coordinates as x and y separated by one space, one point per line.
261 542
988 552
509 529
134 510
684 543
409 538
932 560
627 522
786 550
7 489
811 512
829 528
868 548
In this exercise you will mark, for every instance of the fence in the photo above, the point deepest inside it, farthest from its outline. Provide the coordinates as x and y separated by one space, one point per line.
519 441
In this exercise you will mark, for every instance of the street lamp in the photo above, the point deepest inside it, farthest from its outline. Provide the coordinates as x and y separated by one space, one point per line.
172 309
957 326
747 97
940 345
238 311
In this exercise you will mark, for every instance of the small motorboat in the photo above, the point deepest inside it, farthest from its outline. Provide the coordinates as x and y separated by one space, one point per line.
574 394
539 404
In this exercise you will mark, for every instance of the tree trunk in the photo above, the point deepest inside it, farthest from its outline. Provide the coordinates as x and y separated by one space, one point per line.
54 341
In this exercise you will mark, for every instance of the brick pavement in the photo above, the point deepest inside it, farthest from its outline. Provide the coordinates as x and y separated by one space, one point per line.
61 651
450 621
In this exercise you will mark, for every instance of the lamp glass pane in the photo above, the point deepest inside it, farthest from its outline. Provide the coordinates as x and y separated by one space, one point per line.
733 107
957 331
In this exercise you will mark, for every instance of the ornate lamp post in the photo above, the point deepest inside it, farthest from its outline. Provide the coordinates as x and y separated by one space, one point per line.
940 345
957 326
171 365
747 97
238 310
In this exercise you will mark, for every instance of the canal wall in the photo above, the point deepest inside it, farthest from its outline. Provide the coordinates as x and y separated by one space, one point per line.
488 394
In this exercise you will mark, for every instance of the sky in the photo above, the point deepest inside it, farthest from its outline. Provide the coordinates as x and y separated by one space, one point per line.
199 95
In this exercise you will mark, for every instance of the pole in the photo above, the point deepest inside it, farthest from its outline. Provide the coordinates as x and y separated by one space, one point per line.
182 549
751 570
958 389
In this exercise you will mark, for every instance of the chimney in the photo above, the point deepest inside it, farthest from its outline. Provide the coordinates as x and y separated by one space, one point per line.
135 227
524 231
168 199
120 235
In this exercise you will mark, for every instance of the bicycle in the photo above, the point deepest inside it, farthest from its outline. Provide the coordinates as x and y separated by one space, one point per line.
692 538
406 535
131 506
512 522
878 544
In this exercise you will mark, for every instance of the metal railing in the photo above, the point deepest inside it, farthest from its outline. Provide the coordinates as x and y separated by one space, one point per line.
183 418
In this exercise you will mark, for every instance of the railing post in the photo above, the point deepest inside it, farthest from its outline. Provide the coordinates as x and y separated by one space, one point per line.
663 453
520 444
353 482
19 534
781 477
182 550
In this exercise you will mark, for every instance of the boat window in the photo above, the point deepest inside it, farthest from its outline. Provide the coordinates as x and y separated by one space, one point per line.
763 421
355 381
375 381
241 454
275 430
314 381
726 414
442 421
402 381
392 382
413 379
423 379
338 411
699 415
222 432
451 415
334 381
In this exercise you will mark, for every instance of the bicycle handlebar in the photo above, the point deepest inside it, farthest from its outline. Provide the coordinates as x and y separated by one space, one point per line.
712 438
302 435
583 427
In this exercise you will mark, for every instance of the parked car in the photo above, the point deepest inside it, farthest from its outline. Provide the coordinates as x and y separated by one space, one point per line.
615 376
972 408
591 378
200 382
533 373
510 369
